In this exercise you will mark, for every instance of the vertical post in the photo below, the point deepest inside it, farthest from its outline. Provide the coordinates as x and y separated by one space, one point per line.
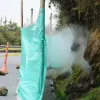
50 32
31 16
42 3
50 23
5 21
21 13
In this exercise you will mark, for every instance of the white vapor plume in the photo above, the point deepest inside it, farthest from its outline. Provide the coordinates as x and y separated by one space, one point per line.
66 47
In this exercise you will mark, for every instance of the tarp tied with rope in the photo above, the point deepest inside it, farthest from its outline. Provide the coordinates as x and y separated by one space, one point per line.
33 60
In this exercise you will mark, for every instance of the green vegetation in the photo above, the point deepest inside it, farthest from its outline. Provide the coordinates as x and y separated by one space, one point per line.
74 86
93 94
10 32
84 12
11 49
11 54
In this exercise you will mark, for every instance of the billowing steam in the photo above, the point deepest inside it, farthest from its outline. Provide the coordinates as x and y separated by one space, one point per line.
66 47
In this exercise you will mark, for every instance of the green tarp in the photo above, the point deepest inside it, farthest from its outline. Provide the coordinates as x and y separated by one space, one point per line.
33 60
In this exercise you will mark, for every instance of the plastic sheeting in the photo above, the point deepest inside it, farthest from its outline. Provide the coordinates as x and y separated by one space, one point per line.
33 60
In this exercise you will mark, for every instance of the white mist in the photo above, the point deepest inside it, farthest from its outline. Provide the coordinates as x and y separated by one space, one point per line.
60 54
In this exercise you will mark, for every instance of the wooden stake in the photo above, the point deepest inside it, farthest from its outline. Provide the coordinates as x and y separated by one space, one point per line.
21 13
42 3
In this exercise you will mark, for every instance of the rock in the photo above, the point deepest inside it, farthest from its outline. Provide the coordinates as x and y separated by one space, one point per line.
81 88
51 83
3 91
78 88
75 46
74 91
18 66
2 73
92 54
63 76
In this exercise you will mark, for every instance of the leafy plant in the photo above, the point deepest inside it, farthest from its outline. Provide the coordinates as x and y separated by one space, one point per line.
83 12
10 32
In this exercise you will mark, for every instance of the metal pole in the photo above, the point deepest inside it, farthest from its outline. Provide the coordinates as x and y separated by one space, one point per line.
21 13
50 33
50 23
31 16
